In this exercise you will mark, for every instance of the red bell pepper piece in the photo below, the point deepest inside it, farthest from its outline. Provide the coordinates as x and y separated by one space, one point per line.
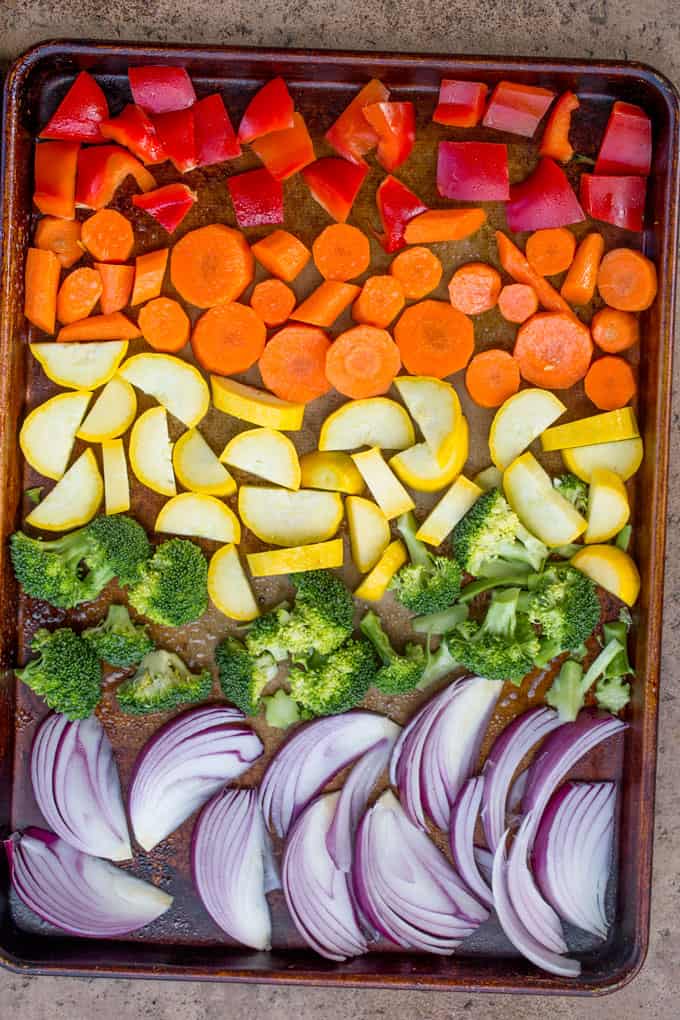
334 184
473 171
544 199
517 108
161 88
627 144
396 205
133 129
270 109
461 103
351 135
102 169
395 126
168 205
55 178
555 141
176 133
214 136
257 198
617 200
285 152
79 114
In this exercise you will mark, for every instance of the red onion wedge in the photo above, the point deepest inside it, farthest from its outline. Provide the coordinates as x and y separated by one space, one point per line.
318 894
183 765
573 853
352 802
462 835
80 894
439 748
538 917
76 785
405 885
310 759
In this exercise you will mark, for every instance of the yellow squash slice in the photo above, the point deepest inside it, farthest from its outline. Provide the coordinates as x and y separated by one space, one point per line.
387 490
489 478
608 427
178 386
49 432
608 506
369 532
611 568
265 453
434 406
375 584
538 504
623 457
417 467
376 421
331 471
450 509
198 468
290 518
116 481
200 516
255 406
80 366
228 585
112 413
74 500
320 556
151 451
520 420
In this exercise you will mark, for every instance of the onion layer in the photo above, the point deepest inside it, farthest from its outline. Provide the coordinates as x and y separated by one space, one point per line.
352 801
462 838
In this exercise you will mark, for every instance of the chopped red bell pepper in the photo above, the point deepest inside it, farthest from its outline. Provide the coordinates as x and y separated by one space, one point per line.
176 133
544 199
214 136
161 89
627 144
396 205
285 152
473 171
334 184
555 141
461 103
55 178
617 200
270 109
257 198
351 135
101 169
168 205
79 114
395 126
517 108
133 129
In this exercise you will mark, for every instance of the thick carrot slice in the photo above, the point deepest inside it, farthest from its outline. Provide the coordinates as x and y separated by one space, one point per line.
165 325
579 284
517 302
341 252
108 236
117 284
78 295
443 225
40 289
553 350
516 265
492 377
60 236
615 331
273 301
474 288
149 273
282 254
211 265
434 339
327 303
228 338
100 327
627 280
380 301
550 251
293 365
362 362
418 270
610 383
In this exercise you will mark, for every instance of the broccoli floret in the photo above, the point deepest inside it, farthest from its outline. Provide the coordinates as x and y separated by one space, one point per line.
280 710
565 605
266 634
117 640
441 623
429 583
336 682
503 646
569 689
323 615
490 540
573 489
67 673
612 694
162 682
398 673
173 587
618 630
243 676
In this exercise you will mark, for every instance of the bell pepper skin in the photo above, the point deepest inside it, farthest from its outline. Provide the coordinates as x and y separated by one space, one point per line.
102 169
334 184
213 134
55 178
473 171
285 152
257 198
270 109
616 200
351 135
517 108
176 133
79 114
168 205
461 103
555 141
133 129
396 205
627 144
395 126
161 89
543 199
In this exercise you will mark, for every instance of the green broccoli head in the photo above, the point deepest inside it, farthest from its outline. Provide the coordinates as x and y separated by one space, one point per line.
398 673
67 673
573 489
490 539
45 574
117 640
162 682
323 615
503 646
428 584
243 676
267 634
565 605
117 546
173 586
336 682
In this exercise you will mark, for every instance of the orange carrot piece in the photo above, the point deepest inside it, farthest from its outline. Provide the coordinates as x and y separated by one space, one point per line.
434 339
579 284
614 331
362 362
108 236
117 283
293 365
418 270
443 225
474 288
627 280
610 383
327 303
516 265
380 301
149 273
100 327
550 251
553 350
517 302
273 301
492 377
78 295
60 236
211 265
282 254
228 338
40 289
165 325
341 252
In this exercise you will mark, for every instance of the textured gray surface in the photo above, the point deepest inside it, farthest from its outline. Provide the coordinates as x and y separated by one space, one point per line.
647 30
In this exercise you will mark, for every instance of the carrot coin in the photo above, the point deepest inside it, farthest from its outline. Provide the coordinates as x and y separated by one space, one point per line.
273 301
362 362
550 251
211 265
627 280
615 331
517 302
434 339
78 295
610 383
380 301
165 325
341 252
418 270
553 350
492 377
228 338
474 288
108 236
293 365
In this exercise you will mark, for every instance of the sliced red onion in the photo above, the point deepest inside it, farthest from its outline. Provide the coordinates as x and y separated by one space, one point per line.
484 861
439 748
310 759
573 853
317 893
405 885
76 785
80 894
538 917
462 837
352 802
183 765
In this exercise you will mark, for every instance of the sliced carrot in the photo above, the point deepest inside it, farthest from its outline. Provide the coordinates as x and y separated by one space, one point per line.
282 254
363 362
327 303
100 327
380 301
610 383
149 273
341 252
579 284
492 377
273 301
517 302
627 280
615 331
418 270
228 338
443 225
434 339
550 251
516 265
78 295
164 324
210 265
40 288
293 365
60 236
116 286
108 236
553 350
474 288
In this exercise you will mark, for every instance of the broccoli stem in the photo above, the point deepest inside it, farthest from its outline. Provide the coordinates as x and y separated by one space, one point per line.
547 651
372 628
439 664
600 663
470 591
281 710
501 615
624 536
570 687
620 664
440 623
407 527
